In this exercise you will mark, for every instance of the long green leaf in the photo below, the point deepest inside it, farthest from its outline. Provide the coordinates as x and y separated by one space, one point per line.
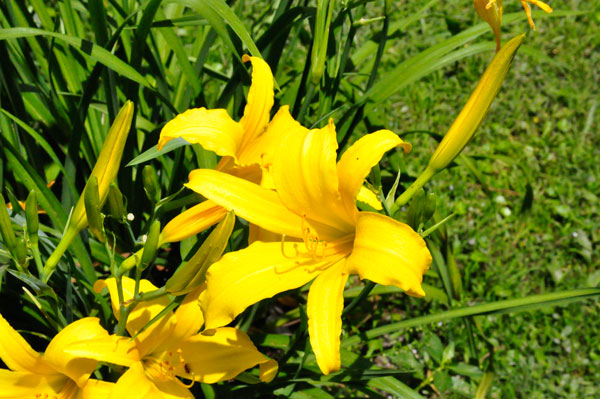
499 307
95 52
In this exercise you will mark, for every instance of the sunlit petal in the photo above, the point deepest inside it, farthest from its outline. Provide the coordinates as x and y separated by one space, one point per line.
95 389
16 353
24 385
219 355
260 100
154 335
305 176
389 253
242 278
213 129
173 389
135 385
256 204
110 349
77 368
192 221
369 197
356 163
263 149
324 310
189 316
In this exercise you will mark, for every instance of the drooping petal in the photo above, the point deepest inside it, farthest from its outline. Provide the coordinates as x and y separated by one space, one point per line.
369 197
219 355
244 277
156 334
189 315
134 384
389 253
192 221
16 353
263 149
213 129
75 367
25 385
324 310
256 204
111 349
260 100
305 175
356 163
95 389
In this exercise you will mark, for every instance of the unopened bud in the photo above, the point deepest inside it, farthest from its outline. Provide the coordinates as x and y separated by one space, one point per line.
150 181
6 230
151 245
31 215
191 274
21 251
92 211
472 114
115 203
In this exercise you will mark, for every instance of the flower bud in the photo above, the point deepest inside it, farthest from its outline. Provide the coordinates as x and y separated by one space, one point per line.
8 235
105 171
115 203
491 12
21 251
31 215
472 114
190 275
150 181
151 245
92 211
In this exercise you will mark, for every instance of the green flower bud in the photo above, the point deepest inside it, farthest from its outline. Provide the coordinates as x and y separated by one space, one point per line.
6 230
191 274
92 211
31 215
151 245
115 202
150 181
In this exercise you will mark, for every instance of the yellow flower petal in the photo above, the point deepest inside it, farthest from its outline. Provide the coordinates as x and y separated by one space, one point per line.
219 355
256 204
260 100
172 389
538 3
369 197
263 149
24 385
324 310
75 367
135 385
110 349
157 333
389 253
305 176
213 129
192 221
189 316
356 163
242 278
95 389
268 370
16 353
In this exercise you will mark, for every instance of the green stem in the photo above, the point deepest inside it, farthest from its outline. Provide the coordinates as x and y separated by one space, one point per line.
59 251
414 188
358 299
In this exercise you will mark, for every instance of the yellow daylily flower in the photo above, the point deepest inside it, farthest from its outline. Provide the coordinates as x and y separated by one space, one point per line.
53 374
493 5
247 147
314 201
491 12
170 348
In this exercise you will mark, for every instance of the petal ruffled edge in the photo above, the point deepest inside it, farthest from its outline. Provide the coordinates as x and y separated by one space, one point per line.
213 129
389 252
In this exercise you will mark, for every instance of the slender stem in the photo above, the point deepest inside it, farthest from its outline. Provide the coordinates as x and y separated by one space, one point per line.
310 92
363 294
414 188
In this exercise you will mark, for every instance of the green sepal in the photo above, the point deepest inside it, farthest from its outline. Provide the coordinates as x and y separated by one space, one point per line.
151 245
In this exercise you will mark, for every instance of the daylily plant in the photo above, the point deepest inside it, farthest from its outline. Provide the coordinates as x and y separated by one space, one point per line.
314 202
170 348
55 373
